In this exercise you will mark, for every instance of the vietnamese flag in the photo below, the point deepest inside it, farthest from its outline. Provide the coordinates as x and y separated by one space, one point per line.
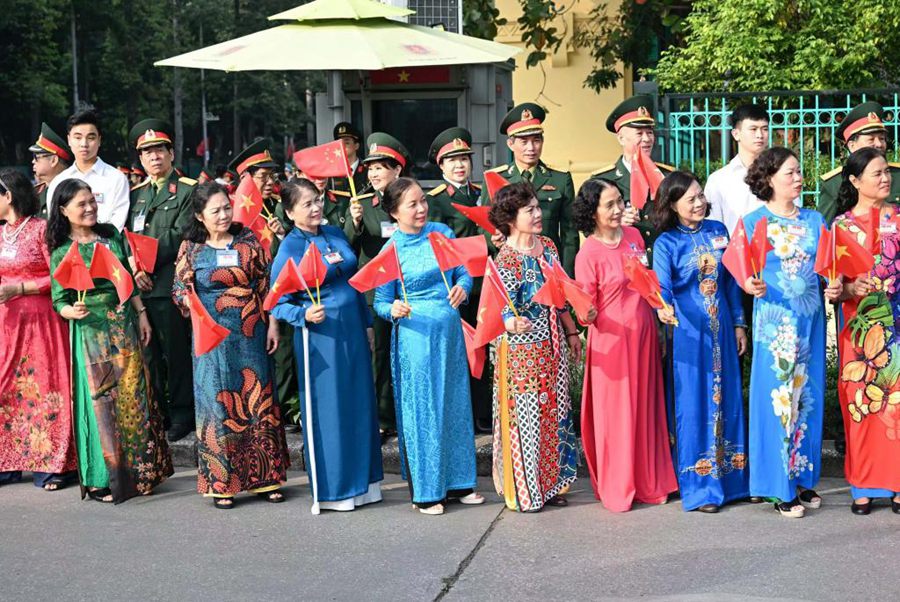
645 179
839 253
494 298
248 202
207 334
759 246
263 233
737 256
571 290
106 265
644 281
72 272
476 355
312 267
144 250
323 161
479 215
872 229
493 182
470 252
288 281
551 292
383 268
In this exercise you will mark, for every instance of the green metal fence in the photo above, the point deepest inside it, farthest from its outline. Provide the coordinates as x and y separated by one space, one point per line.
695 132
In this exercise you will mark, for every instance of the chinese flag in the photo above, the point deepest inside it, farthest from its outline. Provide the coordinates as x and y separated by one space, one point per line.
493 182
494 298
207 334
645 179
323 161
737 256
839 253
474 354
312 267
470 252
72 273
106 265
479 215
644 282
261 229
551 293
383 268
288 281
144 250
248 202
759 246
573 290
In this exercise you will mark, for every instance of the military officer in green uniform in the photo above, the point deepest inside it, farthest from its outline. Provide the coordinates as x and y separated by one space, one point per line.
368 227
554 189
633 124
161 208
50 156
338 190
863 126
255 161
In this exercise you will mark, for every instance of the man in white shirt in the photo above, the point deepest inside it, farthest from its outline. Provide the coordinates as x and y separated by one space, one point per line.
110 186
728 195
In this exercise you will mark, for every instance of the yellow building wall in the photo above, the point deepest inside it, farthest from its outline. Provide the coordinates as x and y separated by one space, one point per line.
575 136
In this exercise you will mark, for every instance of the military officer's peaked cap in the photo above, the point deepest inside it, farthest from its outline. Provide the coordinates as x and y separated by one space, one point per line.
526 119
150 132
51 142
255 155
452 142
380 146
345 129
862 119
636 112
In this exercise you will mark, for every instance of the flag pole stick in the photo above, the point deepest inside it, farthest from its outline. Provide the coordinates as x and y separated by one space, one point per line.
445 281
833 253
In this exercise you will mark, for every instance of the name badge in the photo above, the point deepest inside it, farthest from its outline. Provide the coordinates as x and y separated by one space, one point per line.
719 242
139 222
796 230
226 258
8 253
333 258
388 228
98 196
888 228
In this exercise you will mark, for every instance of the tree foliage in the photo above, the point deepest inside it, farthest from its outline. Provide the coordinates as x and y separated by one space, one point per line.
743 45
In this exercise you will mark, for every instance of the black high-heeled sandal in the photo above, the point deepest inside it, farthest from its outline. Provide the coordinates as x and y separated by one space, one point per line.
100 495
273 497
223 503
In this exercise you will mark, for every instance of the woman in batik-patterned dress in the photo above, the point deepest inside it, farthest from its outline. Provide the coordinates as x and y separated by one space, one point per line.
241 443
534 437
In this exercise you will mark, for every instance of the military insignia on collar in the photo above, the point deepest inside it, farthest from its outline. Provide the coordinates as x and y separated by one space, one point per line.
173 187
642 111
526 114
373 148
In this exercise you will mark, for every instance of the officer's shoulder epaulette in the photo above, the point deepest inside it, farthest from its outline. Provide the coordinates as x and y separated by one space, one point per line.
832 173
340 193
664 166
475 186
187 180
437 190
500 168
604 169
893 164
141 185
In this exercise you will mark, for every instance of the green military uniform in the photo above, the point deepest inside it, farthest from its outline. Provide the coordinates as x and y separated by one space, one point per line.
367 240
636 112
253 157
161 209
554 189
360 173
50 143
457 142
335 209
866 118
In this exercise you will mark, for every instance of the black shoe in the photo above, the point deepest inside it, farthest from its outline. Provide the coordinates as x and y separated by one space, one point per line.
483 427
386 435
179 431
708 509
862 509
895 507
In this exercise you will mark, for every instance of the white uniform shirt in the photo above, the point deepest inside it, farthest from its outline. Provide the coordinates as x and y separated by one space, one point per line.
110 187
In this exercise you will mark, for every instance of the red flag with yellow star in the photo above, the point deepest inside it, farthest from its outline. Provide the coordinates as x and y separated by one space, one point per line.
383 268
760 246
207 333
263 233
479 215
737 256
144 250
106 265
470 252
71 272
643 281
323 161
288 281
493 182
839 253
645 179
476 355
248 201
494 297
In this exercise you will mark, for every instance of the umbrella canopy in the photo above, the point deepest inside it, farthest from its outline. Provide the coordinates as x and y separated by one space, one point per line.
341 35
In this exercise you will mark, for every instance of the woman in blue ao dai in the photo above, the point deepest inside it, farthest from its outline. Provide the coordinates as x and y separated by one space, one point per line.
428 358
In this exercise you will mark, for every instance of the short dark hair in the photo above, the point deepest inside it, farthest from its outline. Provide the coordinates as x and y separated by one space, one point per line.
87 116
673 187
390 198
584 208
195 231
763 168
750 111
856 163
24 201
220 171
507 203
292 191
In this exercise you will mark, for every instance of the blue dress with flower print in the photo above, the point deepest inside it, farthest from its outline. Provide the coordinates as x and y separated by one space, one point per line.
787 382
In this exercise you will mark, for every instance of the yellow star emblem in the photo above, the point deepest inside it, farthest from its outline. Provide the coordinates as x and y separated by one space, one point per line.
117 274
403 76
275 287
481 311
246 201
840 251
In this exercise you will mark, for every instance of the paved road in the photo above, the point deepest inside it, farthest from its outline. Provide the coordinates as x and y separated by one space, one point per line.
176 546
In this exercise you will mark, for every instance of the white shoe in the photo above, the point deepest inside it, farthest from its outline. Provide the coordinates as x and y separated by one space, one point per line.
473 499
435 510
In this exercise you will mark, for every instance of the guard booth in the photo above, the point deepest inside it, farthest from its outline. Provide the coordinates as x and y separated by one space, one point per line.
414 104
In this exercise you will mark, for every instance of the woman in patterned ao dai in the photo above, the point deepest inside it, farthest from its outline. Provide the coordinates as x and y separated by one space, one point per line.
534 438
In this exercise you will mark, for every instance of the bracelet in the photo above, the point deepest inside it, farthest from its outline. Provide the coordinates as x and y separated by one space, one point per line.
571 334
142 310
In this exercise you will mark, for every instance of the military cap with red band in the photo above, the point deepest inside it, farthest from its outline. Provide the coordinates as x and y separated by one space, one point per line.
150 132
255 155
382 146
636 112
525 119
452 142
50 142
862 119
